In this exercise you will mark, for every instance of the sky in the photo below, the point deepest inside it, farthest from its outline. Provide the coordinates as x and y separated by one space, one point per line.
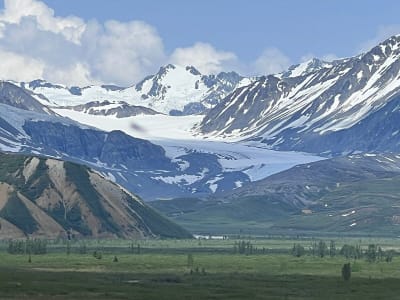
82 42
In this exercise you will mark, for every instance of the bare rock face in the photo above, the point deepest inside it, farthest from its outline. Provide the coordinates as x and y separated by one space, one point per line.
15 96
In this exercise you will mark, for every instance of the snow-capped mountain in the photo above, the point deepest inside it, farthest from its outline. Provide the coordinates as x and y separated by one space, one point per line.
109 144
345 106
321 109
173 90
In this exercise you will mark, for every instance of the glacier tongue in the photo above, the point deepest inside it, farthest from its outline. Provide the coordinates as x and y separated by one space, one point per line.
175 134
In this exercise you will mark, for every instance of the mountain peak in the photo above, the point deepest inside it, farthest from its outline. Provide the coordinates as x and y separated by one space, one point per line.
304 68
165 69
193 70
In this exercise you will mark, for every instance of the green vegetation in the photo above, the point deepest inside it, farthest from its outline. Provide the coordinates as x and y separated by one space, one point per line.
37 183
16 213
148 217
298 250
374 202
80 177
29 246
9 164
72 219
158 224
199 269
346 272
248 215
10 172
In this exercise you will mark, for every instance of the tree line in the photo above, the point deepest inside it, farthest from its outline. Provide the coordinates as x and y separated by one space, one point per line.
321 249
28 246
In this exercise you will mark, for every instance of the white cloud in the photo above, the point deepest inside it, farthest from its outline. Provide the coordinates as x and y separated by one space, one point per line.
74 75
124 52
73 52
307 57
271 61
329 57
382 34
12 63
204 57
35 43
15 10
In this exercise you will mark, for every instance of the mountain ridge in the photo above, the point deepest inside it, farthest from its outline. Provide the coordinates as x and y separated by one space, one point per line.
351 195
173 89
282 112
52 198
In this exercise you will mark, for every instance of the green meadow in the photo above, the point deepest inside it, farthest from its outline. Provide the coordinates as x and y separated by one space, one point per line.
196 269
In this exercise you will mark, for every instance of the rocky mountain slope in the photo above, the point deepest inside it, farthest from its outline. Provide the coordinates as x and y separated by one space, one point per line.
319 110
106 108
52 198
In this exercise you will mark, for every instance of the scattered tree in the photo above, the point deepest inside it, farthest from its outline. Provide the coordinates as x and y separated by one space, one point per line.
82 248
346 272
389 256
97 254
298 250
350 251
371 253
322 249
332 249
35 246
190 260
243 247
68 247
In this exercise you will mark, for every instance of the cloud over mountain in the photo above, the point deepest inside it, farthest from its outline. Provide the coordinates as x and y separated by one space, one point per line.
37 43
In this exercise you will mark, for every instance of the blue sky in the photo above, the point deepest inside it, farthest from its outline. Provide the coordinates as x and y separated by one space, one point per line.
252 37
297 28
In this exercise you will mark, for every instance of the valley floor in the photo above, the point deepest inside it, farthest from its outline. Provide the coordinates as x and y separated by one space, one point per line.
163 270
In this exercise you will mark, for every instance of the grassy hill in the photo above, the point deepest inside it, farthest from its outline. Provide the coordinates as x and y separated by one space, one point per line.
355 195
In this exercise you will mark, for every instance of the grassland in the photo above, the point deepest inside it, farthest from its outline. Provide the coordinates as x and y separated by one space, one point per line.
158 269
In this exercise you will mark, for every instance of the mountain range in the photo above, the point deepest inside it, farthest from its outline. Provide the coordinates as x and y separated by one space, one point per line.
277 145
148 169
347 106
350 195
173 90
